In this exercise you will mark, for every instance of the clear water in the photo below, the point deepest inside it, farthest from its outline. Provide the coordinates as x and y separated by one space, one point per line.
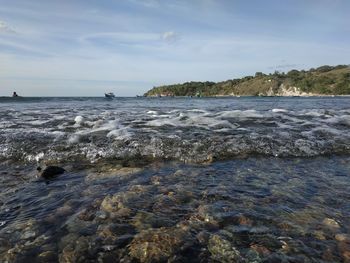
175 179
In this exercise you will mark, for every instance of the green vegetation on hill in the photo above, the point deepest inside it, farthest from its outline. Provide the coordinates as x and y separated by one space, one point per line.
325 80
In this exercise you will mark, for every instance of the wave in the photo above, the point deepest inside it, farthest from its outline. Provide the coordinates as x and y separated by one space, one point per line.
186 135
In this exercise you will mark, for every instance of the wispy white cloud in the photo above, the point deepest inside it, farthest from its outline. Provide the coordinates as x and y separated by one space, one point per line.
5 28
170 36
128 37
146 3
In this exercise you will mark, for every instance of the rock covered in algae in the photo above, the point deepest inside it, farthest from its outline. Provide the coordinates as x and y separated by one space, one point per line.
159 244
116 205
222 250
144 220
120 204
75 251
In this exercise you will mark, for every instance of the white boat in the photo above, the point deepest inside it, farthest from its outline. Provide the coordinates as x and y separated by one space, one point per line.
109 95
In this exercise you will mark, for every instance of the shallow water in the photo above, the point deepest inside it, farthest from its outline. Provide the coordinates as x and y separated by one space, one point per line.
178 180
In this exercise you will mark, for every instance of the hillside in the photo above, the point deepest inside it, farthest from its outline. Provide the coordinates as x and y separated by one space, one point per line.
325 80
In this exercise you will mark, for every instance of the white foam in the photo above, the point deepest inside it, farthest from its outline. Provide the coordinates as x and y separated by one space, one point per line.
37 157
345 119
279 110
314 113
38 122
197 110
162 122
122 133
241 114
73 139
79 120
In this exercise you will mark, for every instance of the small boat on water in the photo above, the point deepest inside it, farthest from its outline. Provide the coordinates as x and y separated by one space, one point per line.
109 95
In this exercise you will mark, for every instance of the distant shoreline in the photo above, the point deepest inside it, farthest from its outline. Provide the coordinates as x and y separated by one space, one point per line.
322 81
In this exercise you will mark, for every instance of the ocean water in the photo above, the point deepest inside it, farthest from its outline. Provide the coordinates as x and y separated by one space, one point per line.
249 179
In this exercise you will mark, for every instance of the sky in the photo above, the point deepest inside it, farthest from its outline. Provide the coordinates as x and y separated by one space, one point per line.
88 47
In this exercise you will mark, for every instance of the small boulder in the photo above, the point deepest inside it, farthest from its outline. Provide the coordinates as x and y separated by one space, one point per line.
330 222
222 250
50 171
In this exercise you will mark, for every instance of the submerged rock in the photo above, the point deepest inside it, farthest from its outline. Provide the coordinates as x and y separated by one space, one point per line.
144 220
47 256
118 172
116 205
159 244
343 237
50 171
344 246
76 251
222 250
330 222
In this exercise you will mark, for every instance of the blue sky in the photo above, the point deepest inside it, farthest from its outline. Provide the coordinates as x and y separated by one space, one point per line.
87 47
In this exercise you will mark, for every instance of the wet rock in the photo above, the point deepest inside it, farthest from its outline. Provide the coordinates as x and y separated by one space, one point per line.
101 215
107 233
108 257
280 258
252 256
164 203
331 223
259 230
123 200
115 207
69 238
327 255
346 256
89 213
222 250
139 189
261 250
79 250
51 171
4 245
343 238
28 234
112 172
156 180
144 220
115 235
320 235
203 237
243 220
75 225
64 210
344 250
47 256
159 244
268 241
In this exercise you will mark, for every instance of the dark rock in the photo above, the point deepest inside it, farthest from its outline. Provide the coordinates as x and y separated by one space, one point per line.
51 171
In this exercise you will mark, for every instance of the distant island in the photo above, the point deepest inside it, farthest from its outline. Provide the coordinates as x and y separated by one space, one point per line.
324 80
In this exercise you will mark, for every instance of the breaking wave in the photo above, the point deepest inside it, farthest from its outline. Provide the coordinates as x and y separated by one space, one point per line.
187 131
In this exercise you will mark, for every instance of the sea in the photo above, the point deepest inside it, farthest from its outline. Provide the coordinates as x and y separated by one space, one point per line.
226 179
